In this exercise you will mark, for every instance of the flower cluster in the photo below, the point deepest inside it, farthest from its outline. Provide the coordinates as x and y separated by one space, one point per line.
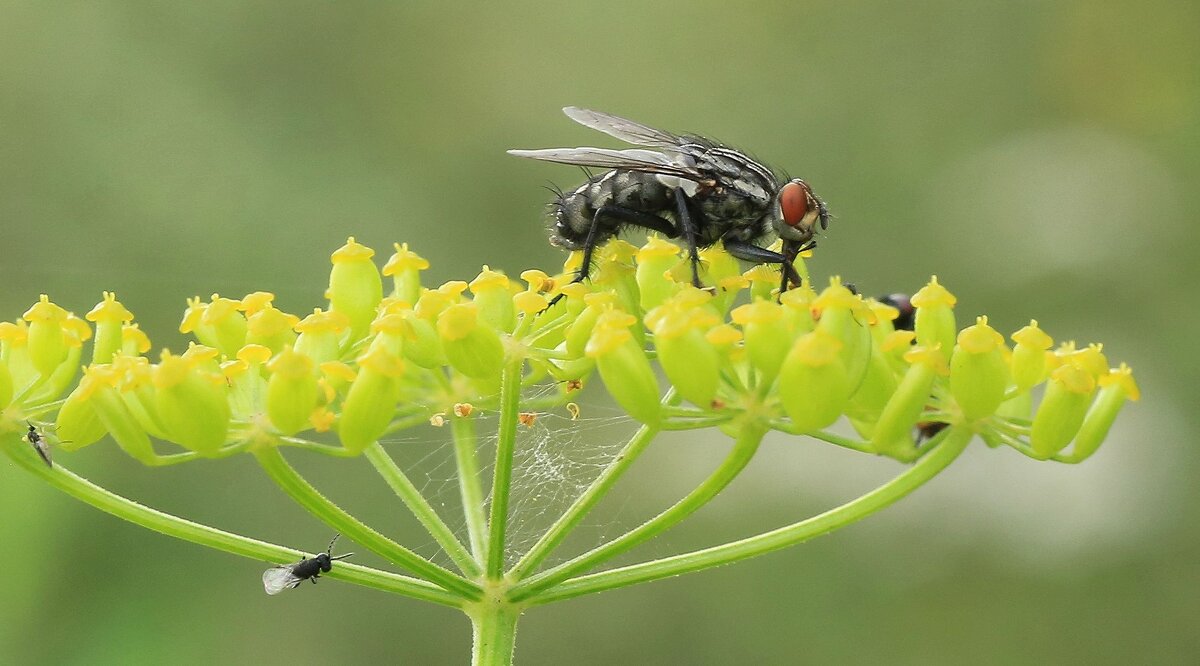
376 359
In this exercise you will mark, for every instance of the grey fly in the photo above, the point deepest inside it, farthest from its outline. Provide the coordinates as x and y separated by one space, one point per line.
684 187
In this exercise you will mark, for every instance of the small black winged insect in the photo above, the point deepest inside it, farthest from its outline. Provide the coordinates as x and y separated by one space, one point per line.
39 443
288 576
688 187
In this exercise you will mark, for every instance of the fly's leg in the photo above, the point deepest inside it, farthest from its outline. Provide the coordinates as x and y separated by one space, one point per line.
761 255
688 230
623 214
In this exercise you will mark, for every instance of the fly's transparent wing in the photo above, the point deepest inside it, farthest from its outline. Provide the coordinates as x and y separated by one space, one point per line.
623 128
43 449
278 579
632 160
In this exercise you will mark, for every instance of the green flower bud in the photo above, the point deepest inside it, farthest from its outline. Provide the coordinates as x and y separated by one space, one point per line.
764 281
405 267
226 323
624 367
355 287
291 391
370 403
1115 388
893 430
78 424
655 260
6 386
580 330
192 404
135 386
271 328
845 316
493 297
768 340
14 352
798 309
320 335
872 394
47 346
472 347
934 324
110 408
433 301
1029 356
721 270
978 372
247 387
61 377
134 341
422 345
1068 395
813 384
692 364
109 316
193 322
389 332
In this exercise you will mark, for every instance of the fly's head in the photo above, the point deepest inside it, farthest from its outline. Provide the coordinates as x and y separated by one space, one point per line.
325 561
798 212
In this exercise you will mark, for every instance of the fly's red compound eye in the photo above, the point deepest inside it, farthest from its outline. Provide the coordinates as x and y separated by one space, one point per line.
793 201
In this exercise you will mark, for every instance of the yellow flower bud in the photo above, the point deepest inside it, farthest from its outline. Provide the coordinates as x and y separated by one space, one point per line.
655 260
405 267
768 339
934 323
1115 388
494 300
813 384
978 372
692 364
1029 356
320 334
47 345
192 404
271 328
893 430
291 391
224 319
109 316
624 367
471 346
1068 395
370 403
355 287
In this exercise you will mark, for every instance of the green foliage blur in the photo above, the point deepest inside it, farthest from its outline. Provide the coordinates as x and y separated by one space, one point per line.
1040 158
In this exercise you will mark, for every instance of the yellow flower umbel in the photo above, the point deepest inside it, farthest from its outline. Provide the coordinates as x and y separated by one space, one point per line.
797 362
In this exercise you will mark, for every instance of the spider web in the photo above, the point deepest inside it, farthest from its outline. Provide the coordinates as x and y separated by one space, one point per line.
555 459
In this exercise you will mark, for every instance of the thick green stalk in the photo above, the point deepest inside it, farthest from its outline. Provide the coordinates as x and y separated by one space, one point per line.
416 502
180 528
333 515
744 446
463 428
510 404
494 625
944 453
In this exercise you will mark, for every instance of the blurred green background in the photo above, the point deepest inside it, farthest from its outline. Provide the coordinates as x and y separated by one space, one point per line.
1040 157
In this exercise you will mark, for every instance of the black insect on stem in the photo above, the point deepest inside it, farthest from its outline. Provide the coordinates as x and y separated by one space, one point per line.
288 576
39 443
685 187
